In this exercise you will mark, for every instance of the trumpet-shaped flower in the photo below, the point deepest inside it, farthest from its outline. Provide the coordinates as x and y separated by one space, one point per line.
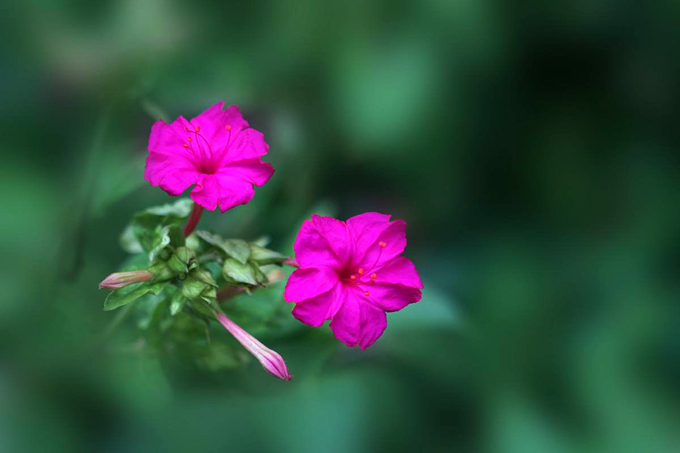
216 152
352 273
270 360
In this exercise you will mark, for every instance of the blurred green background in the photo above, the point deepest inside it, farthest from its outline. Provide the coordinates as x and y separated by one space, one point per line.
531 146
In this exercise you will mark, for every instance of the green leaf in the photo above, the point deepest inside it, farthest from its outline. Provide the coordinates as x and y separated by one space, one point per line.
262 241
180 208
169 235
236 272
264 256
129 242
233 248
129 294
145 306
147 225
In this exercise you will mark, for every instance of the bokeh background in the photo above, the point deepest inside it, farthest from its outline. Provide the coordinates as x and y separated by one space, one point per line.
531 146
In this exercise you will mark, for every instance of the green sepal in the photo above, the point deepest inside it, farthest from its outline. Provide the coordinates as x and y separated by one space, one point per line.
205 308
182 261
193 242
161 271
259 275
192 288
209 294
204 276
264 256
238 273
199 283
177 303
124 296
237 249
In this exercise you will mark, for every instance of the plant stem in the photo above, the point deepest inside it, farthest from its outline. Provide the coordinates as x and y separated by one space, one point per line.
193 219
292 262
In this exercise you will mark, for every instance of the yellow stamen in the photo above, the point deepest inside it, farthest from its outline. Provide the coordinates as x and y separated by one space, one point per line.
185 145
382 244
367 294
360 271
197 129
353 277
228 128
374 276
188 139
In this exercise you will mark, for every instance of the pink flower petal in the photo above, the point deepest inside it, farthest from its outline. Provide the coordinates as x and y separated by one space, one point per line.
167 157
216 151
389 244
308 283
358 322
363 255
335 233
214 122
390 297
233 192
365 229
316 310
312 248
207 192
177 181
399 270
246 144
252 170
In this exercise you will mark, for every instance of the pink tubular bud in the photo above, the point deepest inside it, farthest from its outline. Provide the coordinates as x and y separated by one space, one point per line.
119 280
271 361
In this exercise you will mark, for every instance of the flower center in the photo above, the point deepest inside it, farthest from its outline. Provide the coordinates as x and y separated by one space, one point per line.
361 275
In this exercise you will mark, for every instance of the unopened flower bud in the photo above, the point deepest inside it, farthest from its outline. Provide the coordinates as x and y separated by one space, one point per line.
271 361
119 280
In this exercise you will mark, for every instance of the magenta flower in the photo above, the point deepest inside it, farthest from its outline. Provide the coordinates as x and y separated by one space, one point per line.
217 152
351 272
270 360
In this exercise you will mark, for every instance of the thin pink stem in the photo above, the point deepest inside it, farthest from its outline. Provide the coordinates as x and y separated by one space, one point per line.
292 262
195 216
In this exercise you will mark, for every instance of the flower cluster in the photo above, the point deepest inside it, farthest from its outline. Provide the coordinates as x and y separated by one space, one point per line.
349 272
